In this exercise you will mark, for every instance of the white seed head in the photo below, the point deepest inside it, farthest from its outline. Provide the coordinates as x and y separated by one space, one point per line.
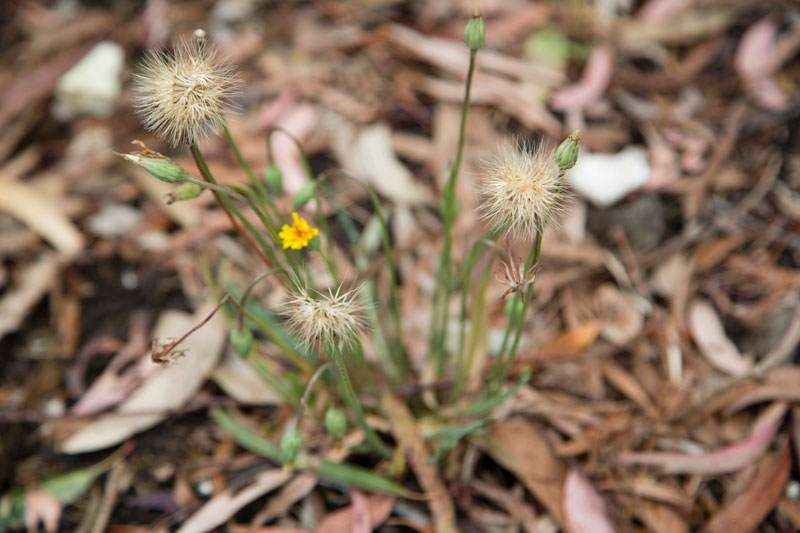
321 318
183 96
522 190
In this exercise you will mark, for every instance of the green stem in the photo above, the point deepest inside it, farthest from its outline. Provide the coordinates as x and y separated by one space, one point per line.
262 191
351 399
443 287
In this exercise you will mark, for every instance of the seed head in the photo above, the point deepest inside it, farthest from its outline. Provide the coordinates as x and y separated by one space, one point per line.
183 96
321 318
521 191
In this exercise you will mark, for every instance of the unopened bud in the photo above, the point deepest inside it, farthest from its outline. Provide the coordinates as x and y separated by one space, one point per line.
336 422
567 151
241 341
161 168
304 195
475 32
291 444
274 178
184 191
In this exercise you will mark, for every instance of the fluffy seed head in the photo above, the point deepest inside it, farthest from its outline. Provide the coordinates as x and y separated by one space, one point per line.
182 96
320 318
522 190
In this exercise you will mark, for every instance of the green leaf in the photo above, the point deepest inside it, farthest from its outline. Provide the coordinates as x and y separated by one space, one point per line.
486 406
449 438
246 437
358 477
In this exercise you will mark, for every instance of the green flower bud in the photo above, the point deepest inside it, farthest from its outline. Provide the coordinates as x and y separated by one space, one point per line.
513 306
475 32
241 341
336 422
274 178
291 444
304 195
162 168
184 191
567 151
314 244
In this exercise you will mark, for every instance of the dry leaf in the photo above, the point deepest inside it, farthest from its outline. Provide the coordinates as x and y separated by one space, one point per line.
220 508
42 506
728 459
520 447
592 85
714 344
164 389
241 382
405 430
35 281
748 509
584 508
40 214
380 507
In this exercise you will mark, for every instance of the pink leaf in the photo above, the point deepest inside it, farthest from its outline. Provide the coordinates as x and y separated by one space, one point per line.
592 85
753 63
41 505
728 459
584 508
380 507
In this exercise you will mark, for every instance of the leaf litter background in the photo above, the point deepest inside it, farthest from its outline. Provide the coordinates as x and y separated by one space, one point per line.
664 331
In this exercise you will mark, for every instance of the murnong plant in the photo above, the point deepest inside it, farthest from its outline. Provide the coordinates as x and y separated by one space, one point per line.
183 97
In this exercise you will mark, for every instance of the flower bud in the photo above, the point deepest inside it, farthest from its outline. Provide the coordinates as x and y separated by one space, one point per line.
567 151
336 422
291 444
184 191
304 195
274 178
475 32
241 341
162 168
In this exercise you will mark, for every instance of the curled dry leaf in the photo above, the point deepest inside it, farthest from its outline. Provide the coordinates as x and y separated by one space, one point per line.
584 508
42 506
728 459
164 389
592 85
714 344
622 321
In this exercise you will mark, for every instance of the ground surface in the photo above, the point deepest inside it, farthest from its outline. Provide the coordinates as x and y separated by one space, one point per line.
664 330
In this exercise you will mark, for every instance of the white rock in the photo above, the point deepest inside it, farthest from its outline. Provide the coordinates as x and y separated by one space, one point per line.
604 179
114 220
91 86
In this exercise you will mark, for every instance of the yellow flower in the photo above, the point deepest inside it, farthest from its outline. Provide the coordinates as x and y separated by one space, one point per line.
298 235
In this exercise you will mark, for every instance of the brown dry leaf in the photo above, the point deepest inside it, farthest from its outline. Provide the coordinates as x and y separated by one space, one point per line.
35 281
575 339
781 384
748 509
629 386
661 518
380 507
220 508
714 344
293 491
164 389
41 214
622 320
584 509
517 445
405 430
728 459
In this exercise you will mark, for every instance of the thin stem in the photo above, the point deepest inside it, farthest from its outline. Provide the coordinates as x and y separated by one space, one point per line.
226 205
443 288
351 399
